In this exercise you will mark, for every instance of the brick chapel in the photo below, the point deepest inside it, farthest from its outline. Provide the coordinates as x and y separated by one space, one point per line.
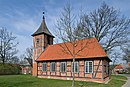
50 62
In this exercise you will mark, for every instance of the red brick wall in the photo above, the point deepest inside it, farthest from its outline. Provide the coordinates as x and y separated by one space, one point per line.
26 69
39 48
34 70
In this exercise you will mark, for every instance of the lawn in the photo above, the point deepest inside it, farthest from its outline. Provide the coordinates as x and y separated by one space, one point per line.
30 81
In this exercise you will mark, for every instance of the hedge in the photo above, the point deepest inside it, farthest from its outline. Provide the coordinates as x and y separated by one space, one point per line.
9 69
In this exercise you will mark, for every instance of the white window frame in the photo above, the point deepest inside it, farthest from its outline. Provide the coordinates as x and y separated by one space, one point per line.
62 70
88 71
44 63
53 65
73 69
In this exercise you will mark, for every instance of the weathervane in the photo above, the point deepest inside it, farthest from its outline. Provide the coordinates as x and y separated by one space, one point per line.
43 15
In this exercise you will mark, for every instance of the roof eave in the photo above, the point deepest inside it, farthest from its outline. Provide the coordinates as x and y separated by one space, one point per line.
42 33
75 58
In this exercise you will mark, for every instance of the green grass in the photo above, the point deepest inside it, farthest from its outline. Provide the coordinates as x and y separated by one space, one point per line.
30 81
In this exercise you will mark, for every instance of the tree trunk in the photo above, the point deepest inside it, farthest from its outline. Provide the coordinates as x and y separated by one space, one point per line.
3 61
73 72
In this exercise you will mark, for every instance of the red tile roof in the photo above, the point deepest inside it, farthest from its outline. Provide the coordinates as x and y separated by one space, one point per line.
92 49
119 67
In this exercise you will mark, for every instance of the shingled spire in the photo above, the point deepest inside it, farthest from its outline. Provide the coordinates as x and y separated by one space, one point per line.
43 29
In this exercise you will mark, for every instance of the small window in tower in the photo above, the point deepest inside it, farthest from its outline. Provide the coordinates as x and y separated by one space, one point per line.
37 41
48 40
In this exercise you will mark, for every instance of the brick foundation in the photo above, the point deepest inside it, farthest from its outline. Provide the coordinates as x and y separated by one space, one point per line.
77 79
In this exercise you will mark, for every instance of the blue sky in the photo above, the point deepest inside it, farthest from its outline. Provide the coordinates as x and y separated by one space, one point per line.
23 17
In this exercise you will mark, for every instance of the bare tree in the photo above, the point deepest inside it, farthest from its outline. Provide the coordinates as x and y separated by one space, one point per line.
29 55
22 60
65 32
14 60
7 45
126 55
115 56
105 24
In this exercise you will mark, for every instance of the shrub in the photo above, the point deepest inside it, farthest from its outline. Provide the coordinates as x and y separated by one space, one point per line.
9 69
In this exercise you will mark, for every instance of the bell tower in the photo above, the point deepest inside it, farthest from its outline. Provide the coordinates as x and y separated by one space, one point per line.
41 39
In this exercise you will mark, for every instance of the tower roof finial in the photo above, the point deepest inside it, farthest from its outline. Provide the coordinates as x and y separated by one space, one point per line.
43 15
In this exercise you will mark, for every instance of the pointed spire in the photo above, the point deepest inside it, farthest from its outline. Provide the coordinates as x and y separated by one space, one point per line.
43 28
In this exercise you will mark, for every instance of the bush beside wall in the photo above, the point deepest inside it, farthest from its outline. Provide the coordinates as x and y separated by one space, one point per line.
9 69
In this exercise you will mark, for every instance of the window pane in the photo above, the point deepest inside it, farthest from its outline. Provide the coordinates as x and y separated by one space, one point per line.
76 66
44 67
86 67
52 67
63 67
90 67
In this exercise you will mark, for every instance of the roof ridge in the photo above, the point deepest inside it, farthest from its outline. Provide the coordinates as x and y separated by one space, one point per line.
72 41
